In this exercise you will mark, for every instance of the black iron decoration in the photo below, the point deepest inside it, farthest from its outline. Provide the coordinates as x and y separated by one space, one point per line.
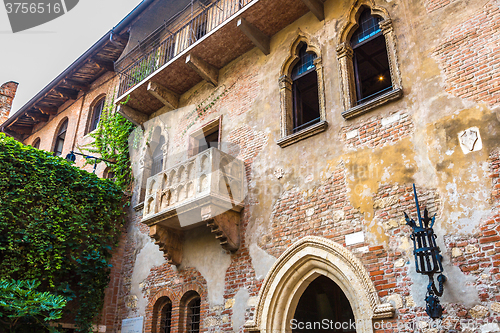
427 258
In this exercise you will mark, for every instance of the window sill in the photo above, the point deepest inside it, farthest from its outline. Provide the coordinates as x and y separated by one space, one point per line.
373 103
139 206
303 134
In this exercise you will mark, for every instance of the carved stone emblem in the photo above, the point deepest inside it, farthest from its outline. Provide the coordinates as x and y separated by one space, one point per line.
470 140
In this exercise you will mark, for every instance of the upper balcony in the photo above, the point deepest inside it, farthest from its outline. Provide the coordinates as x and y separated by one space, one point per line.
207 189
194 46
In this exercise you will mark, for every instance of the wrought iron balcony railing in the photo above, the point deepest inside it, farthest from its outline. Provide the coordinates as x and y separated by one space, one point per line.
179 38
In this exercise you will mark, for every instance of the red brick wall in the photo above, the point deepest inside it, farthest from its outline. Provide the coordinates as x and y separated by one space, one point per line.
7 94
470 57
432 5
376 133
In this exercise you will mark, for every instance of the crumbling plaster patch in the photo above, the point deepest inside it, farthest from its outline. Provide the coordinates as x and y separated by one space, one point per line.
148 256
203 252
242 299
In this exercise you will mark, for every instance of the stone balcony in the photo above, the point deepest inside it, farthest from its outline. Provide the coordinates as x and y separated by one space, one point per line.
207 189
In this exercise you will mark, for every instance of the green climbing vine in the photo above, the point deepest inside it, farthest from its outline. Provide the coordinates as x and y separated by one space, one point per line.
111 142
58 225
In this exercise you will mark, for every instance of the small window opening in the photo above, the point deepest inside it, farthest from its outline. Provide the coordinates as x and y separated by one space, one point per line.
36 144
61 136
158 157
211 139
305 91
96 114
371 62
193 315
166 318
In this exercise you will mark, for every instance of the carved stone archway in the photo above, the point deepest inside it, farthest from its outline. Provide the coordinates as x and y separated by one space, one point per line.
297 267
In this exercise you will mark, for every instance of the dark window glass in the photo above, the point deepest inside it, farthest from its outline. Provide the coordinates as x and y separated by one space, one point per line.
371 63
61 136
96 114
324 302
158 157
36 144
305 91
193 315
166 318
368 27
209 141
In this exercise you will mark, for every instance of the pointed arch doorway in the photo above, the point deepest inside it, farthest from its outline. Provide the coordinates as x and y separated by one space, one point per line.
323 307
297 269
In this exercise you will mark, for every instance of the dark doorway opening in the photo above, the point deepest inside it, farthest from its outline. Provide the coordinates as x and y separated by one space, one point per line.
323 307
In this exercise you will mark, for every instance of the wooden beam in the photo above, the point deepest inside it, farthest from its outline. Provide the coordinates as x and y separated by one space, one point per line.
26 131
316 7
208 72
38 118
66 93
10 133
47 110
164 95
76 85
258 38
136 117
118 41
107 65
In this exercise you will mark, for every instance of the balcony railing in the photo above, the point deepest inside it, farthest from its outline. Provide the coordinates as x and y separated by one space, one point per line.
157 55
175 197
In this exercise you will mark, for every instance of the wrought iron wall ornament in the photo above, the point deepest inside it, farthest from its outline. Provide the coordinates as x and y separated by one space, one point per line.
427 258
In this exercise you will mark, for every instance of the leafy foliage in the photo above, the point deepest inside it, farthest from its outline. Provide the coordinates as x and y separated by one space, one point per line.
23 308
111 142
57 225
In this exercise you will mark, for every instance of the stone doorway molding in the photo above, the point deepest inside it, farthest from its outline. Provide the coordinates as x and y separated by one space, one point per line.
297 267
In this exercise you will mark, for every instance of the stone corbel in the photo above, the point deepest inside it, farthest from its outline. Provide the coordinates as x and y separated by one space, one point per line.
225 224
207 72
170 242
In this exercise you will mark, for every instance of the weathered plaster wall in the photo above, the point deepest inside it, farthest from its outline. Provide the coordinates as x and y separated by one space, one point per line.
353 180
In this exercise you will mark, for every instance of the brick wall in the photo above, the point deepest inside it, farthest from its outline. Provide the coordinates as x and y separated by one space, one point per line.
432 5
377 131
7 94
470 57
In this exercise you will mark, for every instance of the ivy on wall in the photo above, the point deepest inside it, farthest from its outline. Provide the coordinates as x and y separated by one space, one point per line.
111 143
58 224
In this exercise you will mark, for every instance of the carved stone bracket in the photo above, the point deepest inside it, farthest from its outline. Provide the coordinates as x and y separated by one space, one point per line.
225 226
170 242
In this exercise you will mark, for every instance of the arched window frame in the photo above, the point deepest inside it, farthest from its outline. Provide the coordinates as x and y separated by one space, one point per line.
163 314
96 111
188 299
36 143
346 66
288 136
61 133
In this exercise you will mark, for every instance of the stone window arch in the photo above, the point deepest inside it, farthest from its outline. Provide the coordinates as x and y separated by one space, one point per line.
304 59
96 109
353 100
153 155
301 264
60 137
36 143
